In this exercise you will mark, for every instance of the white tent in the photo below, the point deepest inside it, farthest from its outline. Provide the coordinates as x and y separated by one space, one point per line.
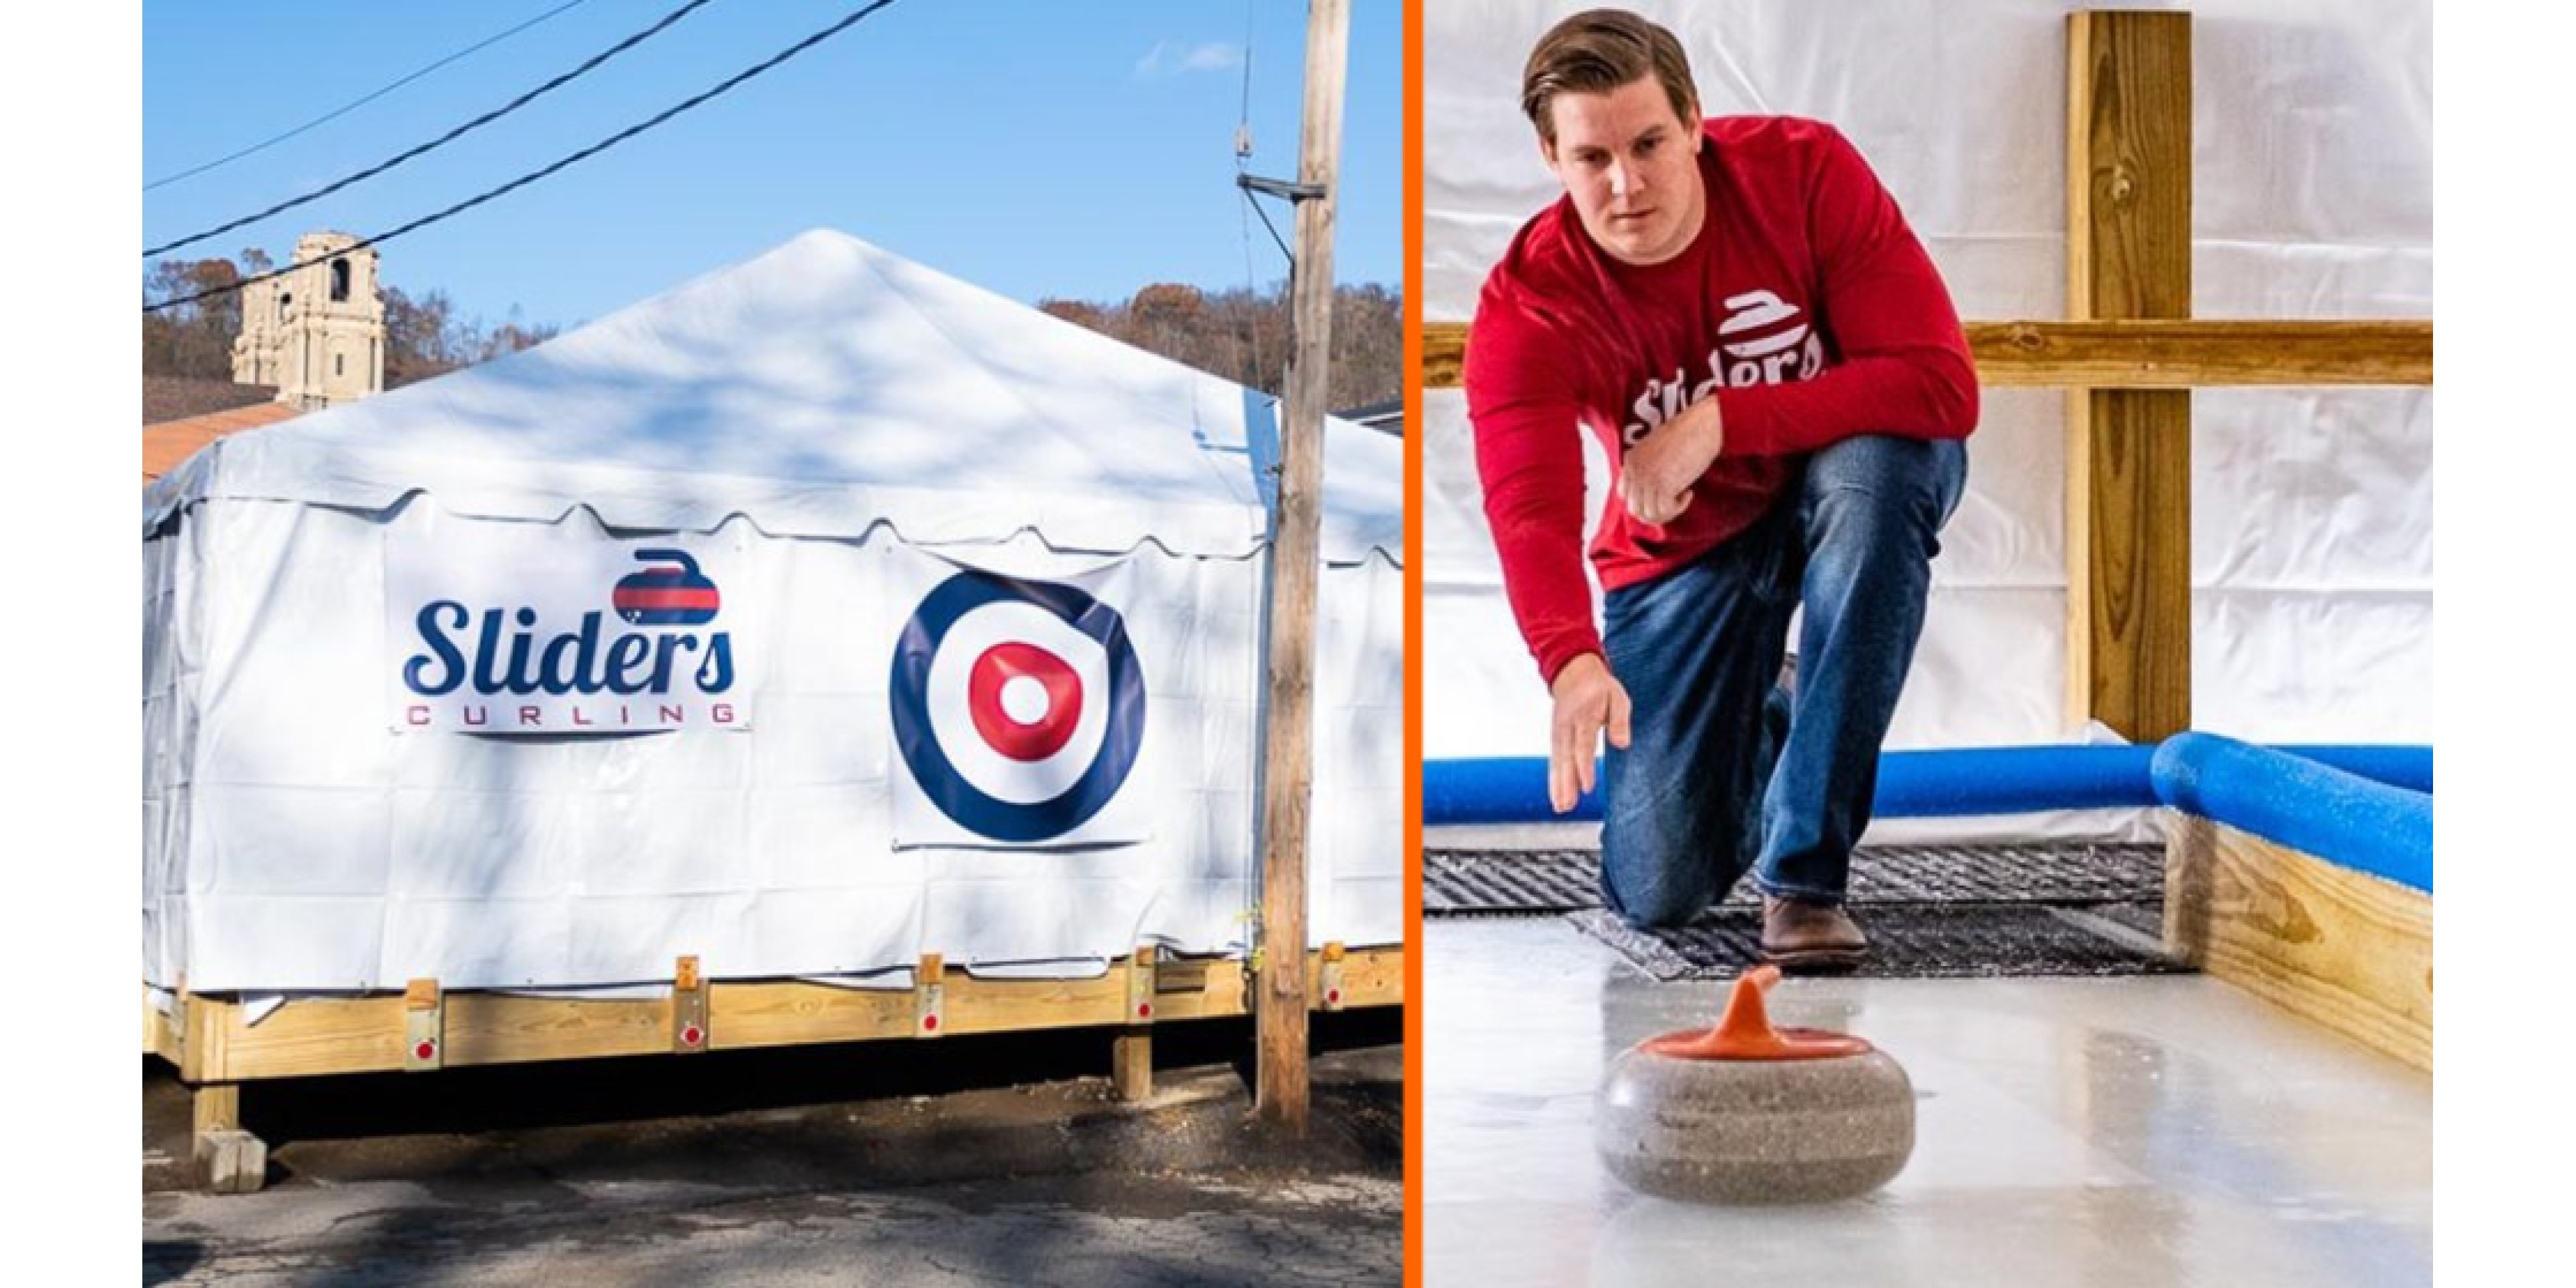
817 614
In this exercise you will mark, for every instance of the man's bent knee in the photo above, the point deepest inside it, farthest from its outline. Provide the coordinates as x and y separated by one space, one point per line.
1661 907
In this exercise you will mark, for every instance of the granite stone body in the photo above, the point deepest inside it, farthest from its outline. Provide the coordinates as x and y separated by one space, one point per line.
1755 1131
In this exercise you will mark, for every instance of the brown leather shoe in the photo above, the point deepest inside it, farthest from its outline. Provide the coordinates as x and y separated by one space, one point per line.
1799 935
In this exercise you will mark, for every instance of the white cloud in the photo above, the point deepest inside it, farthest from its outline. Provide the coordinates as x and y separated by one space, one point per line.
1172 58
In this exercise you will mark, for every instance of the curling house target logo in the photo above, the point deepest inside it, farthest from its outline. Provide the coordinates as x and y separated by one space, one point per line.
1018 705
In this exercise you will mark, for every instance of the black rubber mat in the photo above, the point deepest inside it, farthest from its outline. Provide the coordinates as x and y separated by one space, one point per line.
1526 882
1511 883
1913 941
1930 911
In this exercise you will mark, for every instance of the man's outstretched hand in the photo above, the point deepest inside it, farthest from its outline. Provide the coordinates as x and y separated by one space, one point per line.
1589 702
1656 476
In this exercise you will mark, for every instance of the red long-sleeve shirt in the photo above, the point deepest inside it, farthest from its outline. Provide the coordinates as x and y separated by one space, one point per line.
1805 306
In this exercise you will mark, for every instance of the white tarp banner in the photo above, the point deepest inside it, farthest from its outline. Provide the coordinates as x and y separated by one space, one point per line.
522 628
1018 709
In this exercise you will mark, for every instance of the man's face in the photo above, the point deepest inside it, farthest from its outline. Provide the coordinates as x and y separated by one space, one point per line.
1631 166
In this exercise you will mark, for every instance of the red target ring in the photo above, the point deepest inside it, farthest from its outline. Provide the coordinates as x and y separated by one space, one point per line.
1025 701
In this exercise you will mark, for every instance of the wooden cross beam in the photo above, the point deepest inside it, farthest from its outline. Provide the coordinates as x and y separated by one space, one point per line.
2138 354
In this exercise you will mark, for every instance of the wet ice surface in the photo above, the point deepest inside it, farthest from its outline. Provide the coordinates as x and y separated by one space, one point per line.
2147 1131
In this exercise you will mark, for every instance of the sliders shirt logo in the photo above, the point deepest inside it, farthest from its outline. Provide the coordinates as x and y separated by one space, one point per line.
1763 340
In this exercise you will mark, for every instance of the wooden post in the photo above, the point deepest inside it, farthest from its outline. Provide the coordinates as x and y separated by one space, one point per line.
689 1030
1279 1092
2128 452
930 996
424 1027
229 1160
216 1107
1131 1054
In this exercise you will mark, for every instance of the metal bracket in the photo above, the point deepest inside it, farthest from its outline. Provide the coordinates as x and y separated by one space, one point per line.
689 1033
1140 985
1328 977
424 1027
1282 189
930 997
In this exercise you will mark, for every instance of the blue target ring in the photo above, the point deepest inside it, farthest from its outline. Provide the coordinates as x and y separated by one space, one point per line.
970 806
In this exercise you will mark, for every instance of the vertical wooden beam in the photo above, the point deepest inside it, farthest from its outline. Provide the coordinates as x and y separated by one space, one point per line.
1131 1064
229 1160
2128 452
1131 1055
930 996
1279 1090
205 1034
216 1106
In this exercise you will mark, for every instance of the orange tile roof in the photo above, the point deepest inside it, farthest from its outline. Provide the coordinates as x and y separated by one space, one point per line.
167 444
167 398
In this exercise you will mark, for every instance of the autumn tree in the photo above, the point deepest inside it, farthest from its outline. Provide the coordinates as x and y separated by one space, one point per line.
425 334
1244 335
195 338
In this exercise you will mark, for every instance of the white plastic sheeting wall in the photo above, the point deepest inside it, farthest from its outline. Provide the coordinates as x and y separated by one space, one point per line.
2312 509
295 842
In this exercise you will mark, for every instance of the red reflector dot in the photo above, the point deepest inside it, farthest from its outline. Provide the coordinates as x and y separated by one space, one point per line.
1334 997
690 1036
1144 1009
424 1051
929 1022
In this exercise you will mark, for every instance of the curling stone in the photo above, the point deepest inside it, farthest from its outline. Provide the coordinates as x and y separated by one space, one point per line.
1745 1113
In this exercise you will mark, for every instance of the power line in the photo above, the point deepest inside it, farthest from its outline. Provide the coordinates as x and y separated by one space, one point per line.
1242 167
336 113
451 136
531 177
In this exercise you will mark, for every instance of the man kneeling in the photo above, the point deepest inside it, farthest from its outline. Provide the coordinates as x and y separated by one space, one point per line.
1736 308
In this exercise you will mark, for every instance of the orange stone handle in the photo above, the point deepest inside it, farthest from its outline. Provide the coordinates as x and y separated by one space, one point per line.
1745 1032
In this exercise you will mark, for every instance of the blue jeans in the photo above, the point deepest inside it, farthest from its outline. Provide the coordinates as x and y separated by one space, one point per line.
1724 770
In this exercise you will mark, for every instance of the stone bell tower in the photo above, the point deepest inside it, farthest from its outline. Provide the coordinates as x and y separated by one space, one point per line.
317 333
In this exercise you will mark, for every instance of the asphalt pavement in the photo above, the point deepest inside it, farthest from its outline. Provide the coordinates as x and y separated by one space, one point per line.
1001 1160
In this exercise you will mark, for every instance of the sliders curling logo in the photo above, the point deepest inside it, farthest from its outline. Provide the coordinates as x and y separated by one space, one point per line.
1765 340
493 669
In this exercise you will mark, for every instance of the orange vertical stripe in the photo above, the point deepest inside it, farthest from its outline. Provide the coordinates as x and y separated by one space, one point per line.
1414 999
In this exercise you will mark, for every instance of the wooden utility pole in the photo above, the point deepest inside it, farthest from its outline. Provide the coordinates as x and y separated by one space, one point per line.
1280 1091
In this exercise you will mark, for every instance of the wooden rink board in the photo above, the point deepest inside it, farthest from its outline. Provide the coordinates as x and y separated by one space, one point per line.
2343 949
209 1040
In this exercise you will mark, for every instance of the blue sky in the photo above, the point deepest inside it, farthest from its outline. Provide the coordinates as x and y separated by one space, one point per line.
1075 150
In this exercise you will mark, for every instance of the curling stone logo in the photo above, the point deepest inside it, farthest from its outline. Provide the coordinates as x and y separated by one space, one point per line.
500 670
1765 340
673 595
1018 705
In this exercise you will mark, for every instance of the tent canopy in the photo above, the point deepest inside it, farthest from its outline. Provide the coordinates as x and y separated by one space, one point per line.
819 390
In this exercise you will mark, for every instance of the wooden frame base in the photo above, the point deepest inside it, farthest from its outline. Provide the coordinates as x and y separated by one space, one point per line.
210 1041
2340 948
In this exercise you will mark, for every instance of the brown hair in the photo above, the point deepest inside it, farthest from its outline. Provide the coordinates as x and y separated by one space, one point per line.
1597 51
